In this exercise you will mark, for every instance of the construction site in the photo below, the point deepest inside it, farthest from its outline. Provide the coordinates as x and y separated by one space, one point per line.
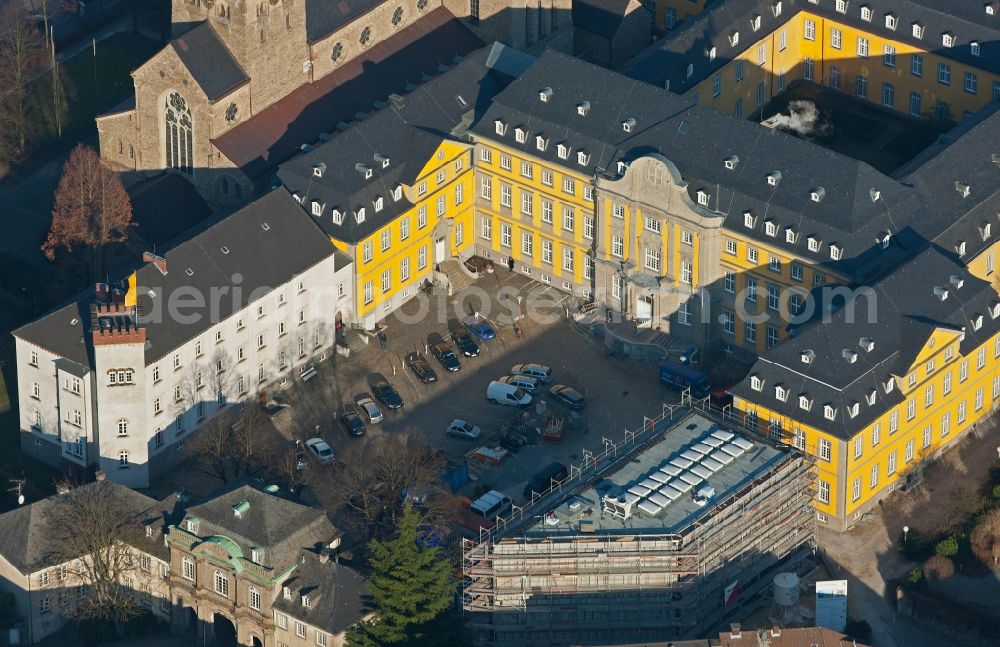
669 534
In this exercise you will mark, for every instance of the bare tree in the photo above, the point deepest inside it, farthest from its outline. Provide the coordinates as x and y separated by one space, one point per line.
91 208
985 539
21 55
375 477
211 447
95 532
234 444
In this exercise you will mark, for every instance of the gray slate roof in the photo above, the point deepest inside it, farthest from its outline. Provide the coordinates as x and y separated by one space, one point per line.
407 133
326 16
698 140
689 44
263 258
337 594
27 542
282 527
598 19
209 61
907 312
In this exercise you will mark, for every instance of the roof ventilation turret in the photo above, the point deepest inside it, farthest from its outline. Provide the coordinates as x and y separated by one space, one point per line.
583 108
319 169
731 162
363 170
850 355
963 189
940 292
875 194
817 194
866 344
545 94
628 125
774 178
807 356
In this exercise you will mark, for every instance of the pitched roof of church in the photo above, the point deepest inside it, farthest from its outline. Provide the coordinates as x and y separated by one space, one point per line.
323 17
273 135
209 61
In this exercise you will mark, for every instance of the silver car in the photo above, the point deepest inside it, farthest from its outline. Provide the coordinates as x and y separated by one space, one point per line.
529 384
542 373
369 408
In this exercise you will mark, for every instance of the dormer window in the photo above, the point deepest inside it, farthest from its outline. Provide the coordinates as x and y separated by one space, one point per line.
583 108
947 39
338 217
918 30
397 193
379 204
541 142
702 198
286 593
991 8
963 189
711 53
977 322
622 167
890 21
731 162
866 13
317 208
835 252
770 228
582 158
192 525
359 215
734 39
755 23
319 170
805 403
960 248
884 238
364 170
781 393
854 409
297 197
628 125
984 230
773 178
829 412
870 397
995 311
842 6
791 236
756 383
305 601
500 127
807 356
690 70
382 160
817 194
974 48
521 135
563 151
748 219
889 385
545 94
813 243
776 9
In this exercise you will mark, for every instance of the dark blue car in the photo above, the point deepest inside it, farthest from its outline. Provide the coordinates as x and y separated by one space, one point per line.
480 328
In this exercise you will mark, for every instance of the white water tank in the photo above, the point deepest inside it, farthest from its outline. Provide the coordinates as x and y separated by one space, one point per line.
786 590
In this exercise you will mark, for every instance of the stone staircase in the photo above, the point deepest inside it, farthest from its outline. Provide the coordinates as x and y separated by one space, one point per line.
459 277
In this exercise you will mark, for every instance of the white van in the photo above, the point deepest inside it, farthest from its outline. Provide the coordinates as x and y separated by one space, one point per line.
500 393
491 505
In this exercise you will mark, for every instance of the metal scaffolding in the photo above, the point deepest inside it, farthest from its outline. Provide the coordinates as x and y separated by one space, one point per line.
606 586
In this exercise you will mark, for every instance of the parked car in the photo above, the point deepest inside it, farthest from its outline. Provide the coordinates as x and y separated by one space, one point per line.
444 354
542 481
463 429
351 421
387 395
319 449
500 393
369 408
542 373
466 343
529 384
568 396
491 505
418 364
479 327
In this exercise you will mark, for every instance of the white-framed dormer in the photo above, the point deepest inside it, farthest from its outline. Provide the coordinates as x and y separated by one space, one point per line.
756 383
791 235
814 244
947 39
500 127
541 142
805 402
829 412
917 30
781 393
562 150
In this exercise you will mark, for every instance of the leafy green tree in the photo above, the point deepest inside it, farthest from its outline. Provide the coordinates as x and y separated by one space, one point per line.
410 586
947 547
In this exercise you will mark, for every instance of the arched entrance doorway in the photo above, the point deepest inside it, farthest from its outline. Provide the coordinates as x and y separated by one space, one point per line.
223 631
190 622
256 642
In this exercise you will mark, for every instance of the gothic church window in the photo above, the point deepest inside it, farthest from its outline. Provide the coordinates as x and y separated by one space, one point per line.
177 132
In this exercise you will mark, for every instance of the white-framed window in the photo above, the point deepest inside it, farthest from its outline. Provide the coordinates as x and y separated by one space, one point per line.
546 251
568 258
731 246
729 323
368 292
618 246
568 217
527 170
809 29
404 269
858 446
890 465
944 74
889 56
568 184
925 441
971 82
873 479
505 162
422 216
684 314
750 332
588 227
862 49
253 598
459 233
505 234
422 257
487 228
618 210
836 38
281 619
300 630
653 225
386 280
856 490
221 582
894 421
505 195
823 491
122 426
527 243
546 177
547 211
652 259
751 289
729 282
485 155
825 449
